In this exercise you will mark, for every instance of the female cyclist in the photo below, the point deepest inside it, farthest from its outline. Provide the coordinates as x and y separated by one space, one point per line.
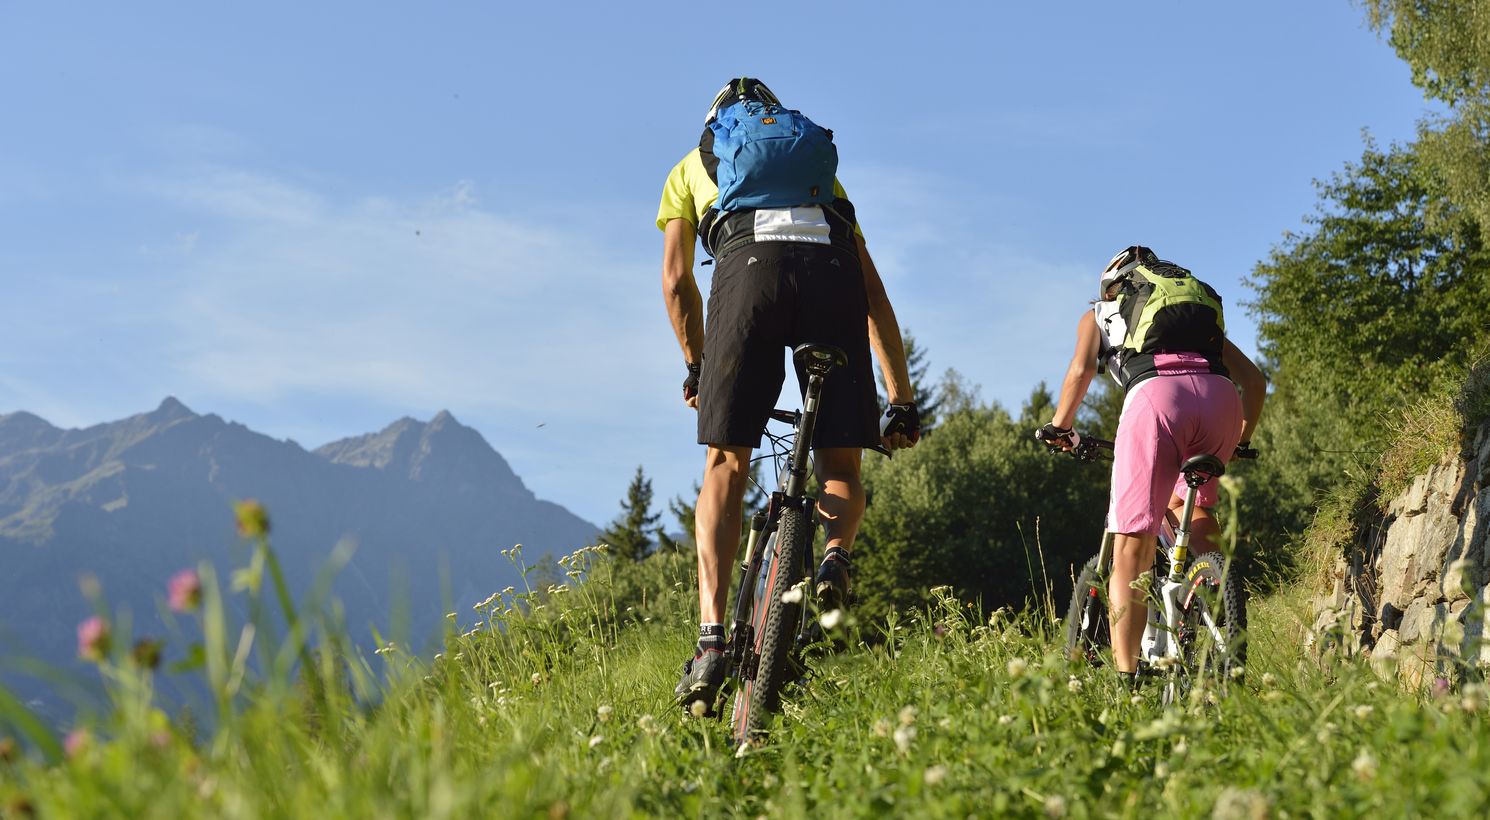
1159 332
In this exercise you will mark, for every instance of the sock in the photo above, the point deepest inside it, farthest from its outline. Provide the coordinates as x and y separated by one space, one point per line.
710 638
1129 680
837 554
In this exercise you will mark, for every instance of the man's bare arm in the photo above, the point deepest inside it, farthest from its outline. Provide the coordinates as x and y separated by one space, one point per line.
685 306
884 332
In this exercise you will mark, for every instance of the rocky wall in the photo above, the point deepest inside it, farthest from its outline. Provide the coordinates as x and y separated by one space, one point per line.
1413 591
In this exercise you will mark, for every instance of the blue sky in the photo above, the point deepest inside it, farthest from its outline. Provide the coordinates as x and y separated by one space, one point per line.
316 218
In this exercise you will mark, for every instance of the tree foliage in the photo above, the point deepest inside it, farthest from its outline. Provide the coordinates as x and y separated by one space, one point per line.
979 506
1447 45
631 535
1381 298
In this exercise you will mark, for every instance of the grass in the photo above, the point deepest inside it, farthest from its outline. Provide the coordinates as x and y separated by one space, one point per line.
556 702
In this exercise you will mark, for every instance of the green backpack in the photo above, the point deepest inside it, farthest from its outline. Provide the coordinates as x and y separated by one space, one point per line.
1165 309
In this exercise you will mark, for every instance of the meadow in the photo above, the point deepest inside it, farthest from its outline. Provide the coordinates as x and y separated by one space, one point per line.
555 701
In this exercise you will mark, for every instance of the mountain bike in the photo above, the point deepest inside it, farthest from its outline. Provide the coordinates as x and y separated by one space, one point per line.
771 627
1197 614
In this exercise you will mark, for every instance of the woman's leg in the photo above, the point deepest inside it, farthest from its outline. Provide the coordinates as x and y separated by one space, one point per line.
1132 554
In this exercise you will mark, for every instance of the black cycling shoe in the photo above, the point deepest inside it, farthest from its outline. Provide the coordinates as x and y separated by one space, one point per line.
831 585
703 674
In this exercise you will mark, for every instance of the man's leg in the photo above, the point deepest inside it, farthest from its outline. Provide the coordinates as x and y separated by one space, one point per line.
841 506
717 526
1132 554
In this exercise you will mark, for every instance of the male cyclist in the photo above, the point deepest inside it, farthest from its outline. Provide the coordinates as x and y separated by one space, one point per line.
1159 332
783 276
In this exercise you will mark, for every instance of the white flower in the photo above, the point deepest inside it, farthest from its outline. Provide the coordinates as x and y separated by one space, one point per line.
1135 699
904 736
1364 766
881 727
831 619
908 715
1005 720
793 595
934 775
1237 672
1363 711
602 713
1016 667
1073 684
1473 699
1055 806
596 741
1161 770
537 679
1269 680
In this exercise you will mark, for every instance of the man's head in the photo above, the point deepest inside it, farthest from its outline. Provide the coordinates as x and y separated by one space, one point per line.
1123 264
739 89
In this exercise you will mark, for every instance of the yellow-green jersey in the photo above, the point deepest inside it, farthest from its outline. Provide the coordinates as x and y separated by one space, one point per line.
690 194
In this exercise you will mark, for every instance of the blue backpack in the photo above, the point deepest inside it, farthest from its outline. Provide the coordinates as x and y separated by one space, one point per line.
770 157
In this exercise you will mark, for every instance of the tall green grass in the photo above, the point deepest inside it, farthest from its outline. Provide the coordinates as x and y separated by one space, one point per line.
555 700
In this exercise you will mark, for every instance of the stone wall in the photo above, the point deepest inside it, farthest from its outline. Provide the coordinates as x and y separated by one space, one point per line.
1413 591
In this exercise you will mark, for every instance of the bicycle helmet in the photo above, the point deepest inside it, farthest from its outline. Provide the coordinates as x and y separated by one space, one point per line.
740 88
1123 264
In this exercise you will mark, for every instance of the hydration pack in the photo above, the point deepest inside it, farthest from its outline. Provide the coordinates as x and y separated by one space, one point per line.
766 156
1160 308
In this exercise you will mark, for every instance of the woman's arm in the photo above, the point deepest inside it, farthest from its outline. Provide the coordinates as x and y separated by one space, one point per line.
1079 374
1253 384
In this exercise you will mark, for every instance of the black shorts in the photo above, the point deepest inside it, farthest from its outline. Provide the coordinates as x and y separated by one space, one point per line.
770 296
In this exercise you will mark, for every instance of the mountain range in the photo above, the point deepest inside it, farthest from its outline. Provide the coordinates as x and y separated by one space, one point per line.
429 506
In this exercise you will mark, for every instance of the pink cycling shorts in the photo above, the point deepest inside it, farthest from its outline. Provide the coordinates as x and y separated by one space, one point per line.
1167 419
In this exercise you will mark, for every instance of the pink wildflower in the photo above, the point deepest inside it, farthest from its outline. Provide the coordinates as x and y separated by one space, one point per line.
93 639
1441 687
185 591
78 742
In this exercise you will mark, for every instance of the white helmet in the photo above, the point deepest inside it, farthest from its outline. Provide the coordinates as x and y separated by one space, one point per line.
1123 264
740 88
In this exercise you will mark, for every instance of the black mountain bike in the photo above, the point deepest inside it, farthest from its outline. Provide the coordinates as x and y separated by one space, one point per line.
1197 609
771 626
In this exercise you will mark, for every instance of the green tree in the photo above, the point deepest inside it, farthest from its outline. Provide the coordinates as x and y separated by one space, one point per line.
1447 45
631 535
980 506
1379 300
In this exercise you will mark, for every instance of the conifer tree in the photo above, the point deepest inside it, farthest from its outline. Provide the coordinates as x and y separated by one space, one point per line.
630 535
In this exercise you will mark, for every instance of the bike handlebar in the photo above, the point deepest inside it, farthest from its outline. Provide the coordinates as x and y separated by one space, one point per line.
1092 448
792 416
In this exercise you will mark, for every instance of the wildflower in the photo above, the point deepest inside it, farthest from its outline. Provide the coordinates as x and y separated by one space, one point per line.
596 740
1005 720
602 713
908 715
1181 747
698 708
1364 766
1441 687
831 619
1073 684
537 678
1016 667
1272 696
77 743
1135 699
904 736
1236 804
793 595
1363 711
1161 770
1237 672
389 649
253 519
1055 806
940 630
146 653
1166 662
8 750
945 723
1269 680
881 728
1474 698
934 775
184 591
93 639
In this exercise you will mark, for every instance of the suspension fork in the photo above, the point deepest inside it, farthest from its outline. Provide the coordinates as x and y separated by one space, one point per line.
742 632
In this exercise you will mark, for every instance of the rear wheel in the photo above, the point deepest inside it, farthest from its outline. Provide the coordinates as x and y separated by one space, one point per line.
1086 617
1213 632
776 622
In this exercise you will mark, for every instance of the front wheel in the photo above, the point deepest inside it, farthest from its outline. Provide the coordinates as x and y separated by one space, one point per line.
1086 617
776 615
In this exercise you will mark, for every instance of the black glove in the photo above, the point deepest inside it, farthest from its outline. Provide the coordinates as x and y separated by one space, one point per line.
903 419
1244 449
1058 438
690 384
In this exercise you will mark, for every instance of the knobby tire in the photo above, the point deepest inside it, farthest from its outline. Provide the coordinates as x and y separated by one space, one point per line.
1086 642
776 624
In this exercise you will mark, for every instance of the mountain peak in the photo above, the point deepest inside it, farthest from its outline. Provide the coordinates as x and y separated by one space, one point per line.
441 450
171 409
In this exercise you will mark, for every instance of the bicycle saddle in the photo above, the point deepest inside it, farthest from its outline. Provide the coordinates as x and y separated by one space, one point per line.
1202 468
819 357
